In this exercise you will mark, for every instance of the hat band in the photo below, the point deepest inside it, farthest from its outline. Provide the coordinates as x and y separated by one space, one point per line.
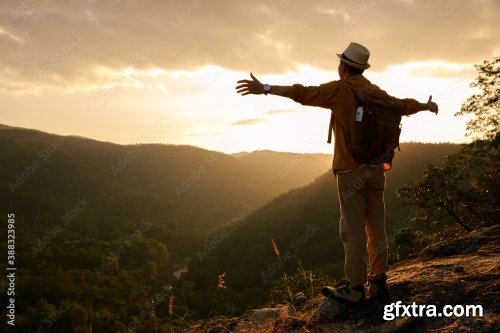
345 58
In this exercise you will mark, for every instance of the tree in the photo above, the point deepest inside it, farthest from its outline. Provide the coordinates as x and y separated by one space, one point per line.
75 318
485 106
464 193
464 190
407 242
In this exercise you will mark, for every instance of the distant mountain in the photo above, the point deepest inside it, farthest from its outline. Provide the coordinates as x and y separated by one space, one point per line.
287 170
213 184
304 225
43 176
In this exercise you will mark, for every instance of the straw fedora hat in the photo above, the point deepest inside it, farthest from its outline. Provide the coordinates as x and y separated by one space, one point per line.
355 55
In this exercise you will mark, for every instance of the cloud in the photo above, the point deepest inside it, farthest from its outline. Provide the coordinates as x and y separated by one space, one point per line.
248 122
72 45
441 69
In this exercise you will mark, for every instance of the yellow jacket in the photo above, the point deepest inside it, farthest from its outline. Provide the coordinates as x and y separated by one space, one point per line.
337 96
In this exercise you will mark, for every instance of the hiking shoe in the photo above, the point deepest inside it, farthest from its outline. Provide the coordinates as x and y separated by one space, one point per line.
346 293
377 290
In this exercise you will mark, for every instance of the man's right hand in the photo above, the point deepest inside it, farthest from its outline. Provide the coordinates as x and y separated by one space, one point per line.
252 86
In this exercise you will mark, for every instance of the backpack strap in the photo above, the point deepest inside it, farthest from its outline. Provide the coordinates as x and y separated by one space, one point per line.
330 128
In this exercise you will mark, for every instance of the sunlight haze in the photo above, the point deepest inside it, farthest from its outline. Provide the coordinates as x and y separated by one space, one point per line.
165 71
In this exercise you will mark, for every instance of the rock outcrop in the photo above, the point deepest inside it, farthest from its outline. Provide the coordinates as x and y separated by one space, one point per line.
462 272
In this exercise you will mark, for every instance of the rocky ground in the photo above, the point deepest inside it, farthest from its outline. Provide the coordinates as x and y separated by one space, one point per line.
465 271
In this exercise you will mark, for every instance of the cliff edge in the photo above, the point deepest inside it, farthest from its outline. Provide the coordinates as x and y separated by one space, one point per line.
462 272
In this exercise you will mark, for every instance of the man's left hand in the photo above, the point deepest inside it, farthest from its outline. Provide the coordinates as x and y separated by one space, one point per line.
431 106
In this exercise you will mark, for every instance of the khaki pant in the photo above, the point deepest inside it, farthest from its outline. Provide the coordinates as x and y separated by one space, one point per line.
362 222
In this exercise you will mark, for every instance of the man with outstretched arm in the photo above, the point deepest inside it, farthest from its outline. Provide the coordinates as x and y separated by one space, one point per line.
360 186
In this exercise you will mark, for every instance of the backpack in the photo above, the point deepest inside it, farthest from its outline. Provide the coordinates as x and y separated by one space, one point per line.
375 130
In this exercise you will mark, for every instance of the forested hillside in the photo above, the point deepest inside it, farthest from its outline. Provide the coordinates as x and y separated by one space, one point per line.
285 169
304 226
101 228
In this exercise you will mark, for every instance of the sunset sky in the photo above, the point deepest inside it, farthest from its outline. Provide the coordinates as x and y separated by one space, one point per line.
130 71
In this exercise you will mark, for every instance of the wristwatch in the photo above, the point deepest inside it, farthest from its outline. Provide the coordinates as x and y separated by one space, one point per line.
267 88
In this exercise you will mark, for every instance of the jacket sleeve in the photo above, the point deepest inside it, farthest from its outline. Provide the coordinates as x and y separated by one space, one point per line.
323 95
410 105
